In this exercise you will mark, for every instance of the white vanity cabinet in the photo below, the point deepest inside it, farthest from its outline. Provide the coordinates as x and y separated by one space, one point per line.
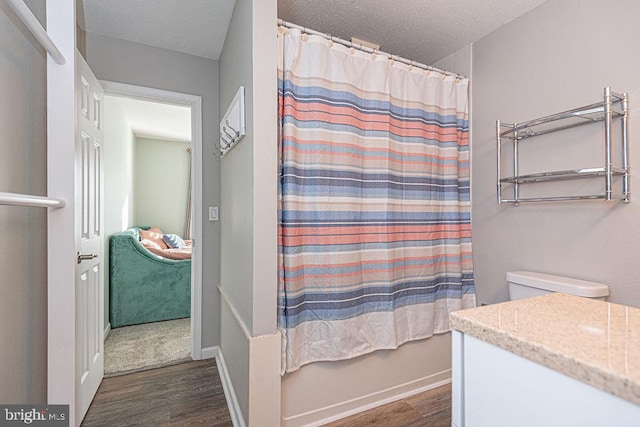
511 369
494 387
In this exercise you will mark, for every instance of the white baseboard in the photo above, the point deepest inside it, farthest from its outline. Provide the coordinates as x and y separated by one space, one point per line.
209 352
328 414
229 393
107 329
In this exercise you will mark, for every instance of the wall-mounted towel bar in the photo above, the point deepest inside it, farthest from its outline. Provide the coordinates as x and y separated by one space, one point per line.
32 23
16 199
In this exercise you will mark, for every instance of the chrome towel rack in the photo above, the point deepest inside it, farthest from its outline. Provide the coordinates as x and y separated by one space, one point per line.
613 106
31 22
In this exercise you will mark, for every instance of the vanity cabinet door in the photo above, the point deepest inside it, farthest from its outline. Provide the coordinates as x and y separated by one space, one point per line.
494 387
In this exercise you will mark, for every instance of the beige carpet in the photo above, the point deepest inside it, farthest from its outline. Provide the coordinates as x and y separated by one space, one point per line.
151 345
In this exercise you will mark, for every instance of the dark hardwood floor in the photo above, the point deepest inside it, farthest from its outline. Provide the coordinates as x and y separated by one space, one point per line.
179 395
191 394
429 409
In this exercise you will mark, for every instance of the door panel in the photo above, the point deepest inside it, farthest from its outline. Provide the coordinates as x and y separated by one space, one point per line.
97 181
89 232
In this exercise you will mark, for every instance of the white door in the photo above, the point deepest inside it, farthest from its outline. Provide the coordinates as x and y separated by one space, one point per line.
89 237
74 174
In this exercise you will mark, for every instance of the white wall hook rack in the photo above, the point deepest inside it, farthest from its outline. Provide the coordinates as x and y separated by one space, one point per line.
232 125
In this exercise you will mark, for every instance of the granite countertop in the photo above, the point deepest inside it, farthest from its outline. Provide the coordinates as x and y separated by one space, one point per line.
595 342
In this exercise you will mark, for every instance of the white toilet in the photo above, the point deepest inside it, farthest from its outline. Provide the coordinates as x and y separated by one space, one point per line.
525 284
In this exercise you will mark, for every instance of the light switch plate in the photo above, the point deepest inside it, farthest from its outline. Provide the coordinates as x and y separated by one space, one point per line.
213 213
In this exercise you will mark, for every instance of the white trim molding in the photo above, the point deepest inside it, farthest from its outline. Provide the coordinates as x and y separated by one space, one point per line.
262 369
195 102
347 408
210 352
238 319
229 393
61 237
107 329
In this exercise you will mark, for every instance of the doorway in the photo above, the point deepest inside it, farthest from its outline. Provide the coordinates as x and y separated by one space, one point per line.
169 153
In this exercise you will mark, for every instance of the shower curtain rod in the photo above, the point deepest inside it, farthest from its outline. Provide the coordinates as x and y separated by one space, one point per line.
368 49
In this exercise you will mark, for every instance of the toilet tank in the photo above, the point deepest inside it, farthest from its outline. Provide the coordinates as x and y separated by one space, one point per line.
525 284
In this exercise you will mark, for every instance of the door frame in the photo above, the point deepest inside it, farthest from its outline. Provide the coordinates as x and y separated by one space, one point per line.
61 238
195 102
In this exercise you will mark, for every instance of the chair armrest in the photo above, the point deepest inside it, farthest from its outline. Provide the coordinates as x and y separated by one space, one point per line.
125 244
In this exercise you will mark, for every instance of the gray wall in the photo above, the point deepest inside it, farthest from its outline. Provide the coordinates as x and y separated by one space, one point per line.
558 56
249 198
23 246
161 180
118 179
132 63
458 62
236 277
236 177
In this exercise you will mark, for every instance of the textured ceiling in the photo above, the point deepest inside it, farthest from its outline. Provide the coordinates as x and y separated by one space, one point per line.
422 30
196 27
155 120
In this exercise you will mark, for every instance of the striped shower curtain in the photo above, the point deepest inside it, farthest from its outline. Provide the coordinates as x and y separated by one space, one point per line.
375 233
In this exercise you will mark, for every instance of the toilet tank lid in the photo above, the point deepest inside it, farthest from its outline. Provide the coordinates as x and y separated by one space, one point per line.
566 285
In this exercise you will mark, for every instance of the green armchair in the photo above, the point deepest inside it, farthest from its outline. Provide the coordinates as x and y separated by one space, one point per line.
144 287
